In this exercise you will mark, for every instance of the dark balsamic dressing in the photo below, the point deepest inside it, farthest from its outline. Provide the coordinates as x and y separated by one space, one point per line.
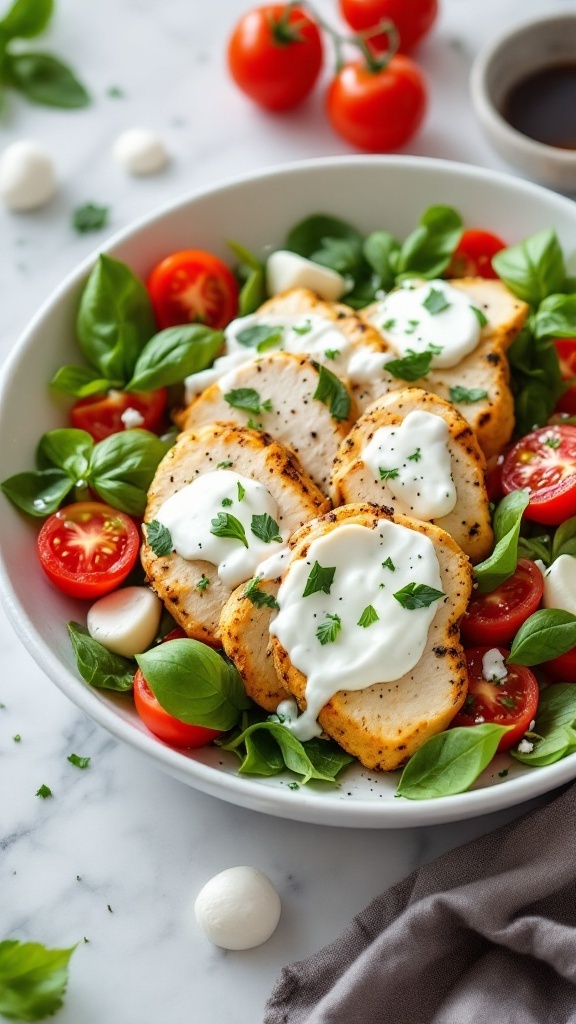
543 105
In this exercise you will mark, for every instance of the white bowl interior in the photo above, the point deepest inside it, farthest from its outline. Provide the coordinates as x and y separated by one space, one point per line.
370 192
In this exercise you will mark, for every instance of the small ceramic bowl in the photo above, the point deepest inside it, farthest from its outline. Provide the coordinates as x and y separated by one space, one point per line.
531 47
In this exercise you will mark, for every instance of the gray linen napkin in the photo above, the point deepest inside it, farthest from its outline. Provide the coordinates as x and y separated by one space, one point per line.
486 934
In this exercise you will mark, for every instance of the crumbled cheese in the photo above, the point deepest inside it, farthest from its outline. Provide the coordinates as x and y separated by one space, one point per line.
132 418
525 747
493 667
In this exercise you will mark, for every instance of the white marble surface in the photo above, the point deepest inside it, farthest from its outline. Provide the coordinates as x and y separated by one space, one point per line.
119 852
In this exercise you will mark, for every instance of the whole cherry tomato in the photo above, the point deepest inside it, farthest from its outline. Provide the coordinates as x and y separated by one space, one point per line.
275 55
193 286
473 257
377 108
101 415
412 18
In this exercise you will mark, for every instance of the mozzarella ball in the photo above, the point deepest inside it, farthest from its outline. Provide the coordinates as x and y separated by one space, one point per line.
27 176
125 621
140 151
560 584
238 909
286 270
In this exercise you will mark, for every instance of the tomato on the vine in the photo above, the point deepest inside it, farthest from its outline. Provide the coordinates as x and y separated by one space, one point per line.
193 286
566 349
473 255
495 618
101 415
159 721
88 549
511 701
377 108
275 55
412 18
544 461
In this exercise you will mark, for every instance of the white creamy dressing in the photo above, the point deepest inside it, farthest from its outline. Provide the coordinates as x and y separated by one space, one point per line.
366 365
275 564
415 453
403 319
494 666
359 656
188 515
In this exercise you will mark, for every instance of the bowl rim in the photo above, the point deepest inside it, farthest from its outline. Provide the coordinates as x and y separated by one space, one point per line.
359 813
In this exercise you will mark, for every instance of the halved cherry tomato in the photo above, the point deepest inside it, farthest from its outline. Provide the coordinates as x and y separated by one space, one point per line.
512 701
544 462
413 19
495 618
101 415
87 549
473 257
377 110
193 286
159 721
275 55
562 668
566 349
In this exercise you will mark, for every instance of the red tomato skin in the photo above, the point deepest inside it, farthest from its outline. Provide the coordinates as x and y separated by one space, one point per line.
377 111
70 524
192 286
548 472
473 256
274 74
521 684
495 618
100 415
562 668
162 724
566 349
413 19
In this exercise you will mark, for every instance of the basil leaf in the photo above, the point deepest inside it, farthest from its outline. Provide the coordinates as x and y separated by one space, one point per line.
417 595
535 547
564 542
261 755
546 634
226 525
68 449
450 762
502 562
258 598
122 468
251 274
329 241
555 317
379 249
26 18
44 79
294 754
466 396
327 757
33 979
38 493
534 268
410 367
194 683
173 354
115 319
428 249
248 399
332 393
159 538
265 528
97 665
82 381
320 579
555 722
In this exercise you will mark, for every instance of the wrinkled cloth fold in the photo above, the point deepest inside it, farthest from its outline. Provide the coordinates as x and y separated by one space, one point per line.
486 934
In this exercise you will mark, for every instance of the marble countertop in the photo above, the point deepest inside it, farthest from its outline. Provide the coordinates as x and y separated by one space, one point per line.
119 852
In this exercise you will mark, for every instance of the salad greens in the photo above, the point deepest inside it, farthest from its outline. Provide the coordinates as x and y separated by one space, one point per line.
33 979
500 565
449 762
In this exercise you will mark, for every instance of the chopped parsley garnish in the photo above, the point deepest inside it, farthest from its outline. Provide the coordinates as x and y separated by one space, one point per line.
44 791
320 579
553 442
328 631
241 491
227 502
467 395
435 302
332 392
482 318
265 528
416 456
503 773
412 325
389 324
332 353
89 217
247 399
368 617
389 564
225 465
469 702
159 538
79 762
417 595
508 702
226 525
410 367
258 598
17 738
203 582
388 474
252 425
260 337
304 328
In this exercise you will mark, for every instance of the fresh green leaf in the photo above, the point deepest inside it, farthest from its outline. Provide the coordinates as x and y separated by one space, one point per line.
173 354
332 392
67 449
416 456
247 399
33 978
203 583
564 542
389 564
388 474
449 762
225 465
480 316
466 396
261 337
226 525
331 242
435 302
159 538
368 617
536 379
555 317
44 79
417 595
328 630
501 564
194 683
89 217
546 634
241 491
82 381
428 249
320 579
38 493
26 18
535 547
258 598
44 791
122 468
98 666
79 762
304 759
534 268
379 249
411 367
265 528
251 273
554 733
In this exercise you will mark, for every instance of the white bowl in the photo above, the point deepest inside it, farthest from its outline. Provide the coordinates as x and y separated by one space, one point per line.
371 192
528 48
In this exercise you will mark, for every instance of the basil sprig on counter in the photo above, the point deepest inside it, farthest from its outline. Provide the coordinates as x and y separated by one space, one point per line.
546 634
502 562
267 748
119 469
449 762
33 978
554 734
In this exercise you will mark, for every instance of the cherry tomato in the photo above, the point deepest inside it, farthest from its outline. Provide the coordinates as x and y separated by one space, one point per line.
562 668
495 618
377 110
159 721
473 256
512 701
544 462
101 415
88 549
566 349
413 19
193 286
275 55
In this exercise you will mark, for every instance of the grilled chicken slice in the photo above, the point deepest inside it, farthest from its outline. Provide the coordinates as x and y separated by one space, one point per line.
244 629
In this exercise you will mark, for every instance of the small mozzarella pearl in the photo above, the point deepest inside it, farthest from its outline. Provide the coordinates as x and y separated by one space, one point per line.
238 908
27 176
140 151
125 621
